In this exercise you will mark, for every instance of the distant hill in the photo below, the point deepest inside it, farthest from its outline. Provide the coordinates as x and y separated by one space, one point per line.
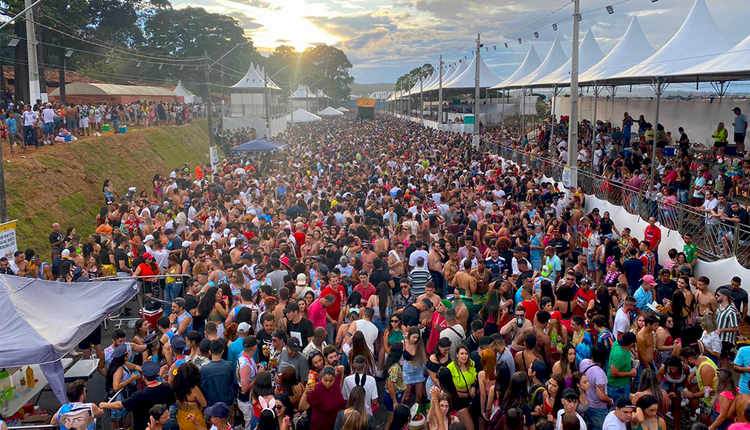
367 89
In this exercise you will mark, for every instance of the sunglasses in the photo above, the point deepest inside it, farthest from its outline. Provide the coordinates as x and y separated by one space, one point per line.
278 407
394 321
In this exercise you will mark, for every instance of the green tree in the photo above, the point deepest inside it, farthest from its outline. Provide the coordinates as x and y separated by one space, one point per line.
118 21
332 65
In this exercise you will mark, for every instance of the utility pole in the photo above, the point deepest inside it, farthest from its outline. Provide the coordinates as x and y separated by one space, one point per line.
421 97
440 94
573 126
35 91
268 118
477 139
209 106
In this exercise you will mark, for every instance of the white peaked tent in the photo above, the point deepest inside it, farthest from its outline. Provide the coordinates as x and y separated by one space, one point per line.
698 40
555 59
330 111
487 78
250 80
632 48
436 83
434 78
342 109
303 92
590 54
301 115
529 64
456 73
181 91
734 63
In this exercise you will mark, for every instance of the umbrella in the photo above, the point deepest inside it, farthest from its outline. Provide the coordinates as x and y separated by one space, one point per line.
259 145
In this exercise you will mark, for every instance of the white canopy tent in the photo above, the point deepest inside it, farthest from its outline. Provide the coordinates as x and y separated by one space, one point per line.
251 79
303 92
555 59
330 111
632 49
342 109
183 92
590 54
301 115
529 64
734 63
447 71
487 78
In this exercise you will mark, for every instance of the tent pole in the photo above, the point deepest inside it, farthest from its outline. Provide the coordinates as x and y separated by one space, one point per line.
573 129
554 108
656 128
440 94
523 113
421 98
477 138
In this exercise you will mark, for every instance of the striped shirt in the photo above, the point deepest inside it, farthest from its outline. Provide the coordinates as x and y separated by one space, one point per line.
418 278
727 318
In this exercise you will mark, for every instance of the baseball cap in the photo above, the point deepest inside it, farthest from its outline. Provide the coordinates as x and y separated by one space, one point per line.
569 394
65 253
243 327
447 303
649 279
546 270
180 301
120 351
177 343
148 237
150 369
302 280
556 315
623 402
249 342
148 256
168 231
246 256
293 344
217 410
736 109
586 281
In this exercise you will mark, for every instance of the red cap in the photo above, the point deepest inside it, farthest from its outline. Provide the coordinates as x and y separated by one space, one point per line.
148 255
555 315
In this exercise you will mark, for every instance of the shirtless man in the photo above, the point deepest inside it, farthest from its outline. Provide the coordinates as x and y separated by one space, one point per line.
435 265
645 340
524 358
451 267
429 294
518 328
482 275
707 303
367 257
462 312
19 265
396 260
463 281
380 244
543 341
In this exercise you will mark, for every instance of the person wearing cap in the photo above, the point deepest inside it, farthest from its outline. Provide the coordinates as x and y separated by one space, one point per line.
570 403
146 272
583 297
621 369
727 324
235 348
645 295
155 393
176 353
247 370
292 356
621 417
419 276
419 252
740 130
218 414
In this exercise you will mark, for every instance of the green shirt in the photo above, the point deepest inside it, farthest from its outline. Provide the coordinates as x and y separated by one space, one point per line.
690 251
621 359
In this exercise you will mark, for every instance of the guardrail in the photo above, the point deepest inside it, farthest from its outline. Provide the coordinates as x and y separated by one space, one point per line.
714 239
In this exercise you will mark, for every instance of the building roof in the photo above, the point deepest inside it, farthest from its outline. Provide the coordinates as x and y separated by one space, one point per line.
91 89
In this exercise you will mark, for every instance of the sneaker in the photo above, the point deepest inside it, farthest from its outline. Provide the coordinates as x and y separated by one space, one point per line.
684 403
74 353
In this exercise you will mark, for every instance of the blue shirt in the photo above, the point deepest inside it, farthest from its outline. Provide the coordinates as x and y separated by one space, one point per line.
743 360
12 126
642 299
556 264
234 351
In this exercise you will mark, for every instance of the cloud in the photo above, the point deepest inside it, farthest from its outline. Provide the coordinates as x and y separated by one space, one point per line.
642 13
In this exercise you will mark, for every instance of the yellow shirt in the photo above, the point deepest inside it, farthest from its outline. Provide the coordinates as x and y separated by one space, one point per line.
721 135
649 135
463 380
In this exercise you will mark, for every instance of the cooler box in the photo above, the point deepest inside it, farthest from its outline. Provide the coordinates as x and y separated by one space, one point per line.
105 127
68 138
123 129
669 151
151 316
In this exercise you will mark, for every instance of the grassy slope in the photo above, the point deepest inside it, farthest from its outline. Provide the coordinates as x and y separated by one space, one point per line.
64 184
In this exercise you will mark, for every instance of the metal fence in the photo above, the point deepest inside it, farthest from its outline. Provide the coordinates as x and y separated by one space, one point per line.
255 110
714 239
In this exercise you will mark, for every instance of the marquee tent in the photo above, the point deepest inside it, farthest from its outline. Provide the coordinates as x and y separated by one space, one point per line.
632 48
698 40
181 91
342 109
254 79
487 78
303 92
529 64
457 71
555 59
447 72
301 115
330 111
259 145
43 320
734 63
590 54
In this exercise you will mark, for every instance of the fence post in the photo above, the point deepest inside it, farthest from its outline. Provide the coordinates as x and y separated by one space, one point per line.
736 245
640 203
680 218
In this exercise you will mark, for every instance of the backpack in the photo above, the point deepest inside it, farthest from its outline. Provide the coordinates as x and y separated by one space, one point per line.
497 422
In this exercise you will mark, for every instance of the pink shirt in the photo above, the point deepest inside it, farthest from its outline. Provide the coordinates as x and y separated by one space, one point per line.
316 313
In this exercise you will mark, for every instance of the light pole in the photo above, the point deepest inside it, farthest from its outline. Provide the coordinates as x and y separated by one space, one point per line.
573 126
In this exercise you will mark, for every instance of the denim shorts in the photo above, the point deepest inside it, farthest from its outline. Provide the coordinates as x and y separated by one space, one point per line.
388 401
49 128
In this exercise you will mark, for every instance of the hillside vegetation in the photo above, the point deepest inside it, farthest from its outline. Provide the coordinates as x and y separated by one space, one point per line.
64 183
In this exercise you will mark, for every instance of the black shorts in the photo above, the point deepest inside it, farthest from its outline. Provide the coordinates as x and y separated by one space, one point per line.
95 338
661 144
725 348
739 137
720 144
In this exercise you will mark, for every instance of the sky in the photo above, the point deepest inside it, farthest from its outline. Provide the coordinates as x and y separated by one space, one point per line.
386 38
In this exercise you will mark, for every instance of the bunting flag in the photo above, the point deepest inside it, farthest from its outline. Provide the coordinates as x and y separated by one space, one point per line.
536 34
506 44
519 40
554 27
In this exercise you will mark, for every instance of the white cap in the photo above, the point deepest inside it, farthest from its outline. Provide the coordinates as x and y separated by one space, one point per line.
65 252
186 244
302 280
243 327
225 233
236 202
148 237
252 212
131 189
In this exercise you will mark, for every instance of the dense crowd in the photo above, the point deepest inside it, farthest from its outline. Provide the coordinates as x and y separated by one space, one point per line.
23 126
374 266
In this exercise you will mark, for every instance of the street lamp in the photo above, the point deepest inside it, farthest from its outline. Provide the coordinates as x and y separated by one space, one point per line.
227 53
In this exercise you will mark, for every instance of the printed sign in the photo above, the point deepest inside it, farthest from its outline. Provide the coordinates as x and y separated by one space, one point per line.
8 244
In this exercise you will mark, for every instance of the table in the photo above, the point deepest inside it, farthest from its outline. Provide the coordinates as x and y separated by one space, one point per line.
23 396
82 369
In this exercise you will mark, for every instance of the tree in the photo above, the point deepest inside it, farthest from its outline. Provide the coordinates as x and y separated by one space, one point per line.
332 65
117 21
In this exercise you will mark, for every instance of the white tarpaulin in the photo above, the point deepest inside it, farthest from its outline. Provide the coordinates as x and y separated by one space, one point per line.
43 320
301 115
467 79
590 54
554 60
529 64
330 111
629 51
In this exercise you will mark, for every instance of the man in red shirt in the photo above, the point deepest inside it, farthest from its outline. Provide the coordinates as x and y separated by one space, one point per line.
528 303
365 288
299 238
583 297
652 235
334 277
437 324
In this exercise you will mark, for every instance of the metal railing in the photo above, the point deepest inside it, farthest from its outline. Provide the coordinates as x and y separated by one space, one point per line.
255 110
714 239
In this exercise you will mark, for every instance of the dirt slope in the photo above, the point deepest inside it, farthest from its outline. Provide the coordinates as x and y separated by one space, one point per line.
64 183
